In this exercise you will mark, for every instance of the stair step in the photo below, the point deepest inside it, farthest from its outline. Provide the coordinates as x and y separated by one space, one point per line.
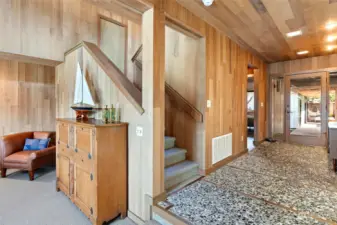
174 155
180 172
183 184
170 142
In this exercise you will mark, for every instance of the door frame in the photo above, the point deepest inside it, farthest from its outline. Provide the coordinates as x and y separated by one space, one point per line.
307 140
256 78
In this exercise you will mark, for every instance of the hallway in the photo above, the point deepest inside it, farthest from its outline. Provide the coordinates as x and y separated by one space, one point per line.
277 183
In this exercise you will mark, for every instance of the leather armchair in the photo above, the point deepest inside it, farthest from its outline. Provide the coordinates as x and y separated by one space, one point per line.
12 155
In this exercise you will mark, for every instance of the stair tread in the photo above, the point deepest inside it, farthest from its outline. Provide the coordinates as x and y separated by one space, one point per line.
169 138
169 142
179 168
174 151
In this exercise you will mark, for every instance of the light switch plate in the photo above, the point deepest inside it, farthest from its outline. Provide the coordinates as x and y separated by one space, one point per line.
209 103
139 131
261 104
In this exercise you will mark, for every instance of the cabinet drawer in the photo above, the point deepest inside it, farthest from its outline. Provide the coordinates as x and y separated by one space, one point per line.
83 139
65 150
63 132
83 159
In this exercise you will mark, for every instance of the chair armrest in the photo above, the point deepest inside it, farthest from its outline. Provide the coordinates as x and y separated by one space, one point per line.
42 153
12 143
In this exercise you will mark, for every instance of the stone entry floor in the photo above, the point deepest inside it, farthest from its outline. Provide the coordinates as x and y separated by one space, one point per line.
276 183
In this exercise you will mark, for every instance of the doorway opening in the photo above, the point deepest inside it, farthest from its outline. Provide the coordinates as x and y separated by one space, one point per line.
306 108
250 109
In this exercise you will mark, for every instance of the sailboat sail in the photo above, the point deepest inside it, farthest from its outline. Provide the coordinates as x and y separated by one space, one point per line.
82 92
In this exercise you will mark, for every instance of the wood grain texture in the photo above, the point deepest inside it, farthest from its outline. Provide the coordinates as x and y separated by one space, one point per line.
261 26
113 42
27 97
46 29
226 82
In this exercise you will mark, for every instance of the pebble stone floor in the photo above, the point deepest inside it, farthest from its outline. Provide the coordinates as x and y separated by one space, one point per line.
277 183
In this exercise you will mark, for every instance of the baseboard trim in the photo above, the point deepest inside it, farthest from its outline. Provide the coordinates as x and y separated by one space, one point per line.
159 198
135 218
222 163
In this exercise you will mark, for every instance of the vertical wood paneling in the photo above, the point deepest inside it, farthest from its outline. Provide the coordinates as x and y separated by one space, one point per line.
46 29
27 97
226 78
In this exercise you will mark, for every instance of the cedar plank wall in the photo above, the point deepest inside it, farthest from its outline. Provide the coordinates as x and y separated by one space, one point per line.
226 76
27 97
56 26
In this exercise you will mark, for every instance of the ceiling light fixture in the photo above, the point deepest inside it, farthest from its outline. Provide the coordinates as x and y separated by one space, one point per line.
330 25
250 75
331 47
331 38
207 2
302 52
294 33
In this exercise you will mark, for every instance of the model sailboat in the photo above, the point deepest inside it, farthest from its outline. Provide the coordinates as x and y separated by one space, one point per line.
83 101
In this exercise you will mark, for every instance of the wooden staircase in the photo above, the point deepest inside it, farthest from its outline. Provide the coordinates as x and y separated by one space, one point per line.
178 170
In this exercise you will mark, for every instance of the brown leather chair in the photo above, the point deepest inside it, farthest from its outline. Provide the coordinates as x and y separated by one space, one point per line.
12 155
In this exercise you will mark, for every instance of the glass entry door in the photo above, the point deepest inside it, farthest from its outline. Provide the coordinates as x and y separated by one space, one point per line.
306 117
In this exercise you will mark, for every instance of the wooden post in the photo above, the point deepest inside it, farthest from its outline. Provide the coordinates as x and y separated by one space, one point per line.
154 89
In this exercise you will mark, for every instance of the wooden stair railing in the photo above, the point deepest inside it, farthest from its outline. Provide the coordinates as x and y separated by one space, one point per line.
182 103
174 96
120 80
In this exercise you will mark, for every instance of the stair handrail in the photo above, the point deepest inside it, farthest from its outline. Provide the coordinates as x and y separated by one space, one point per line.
139 50
111 70
173 94
183 103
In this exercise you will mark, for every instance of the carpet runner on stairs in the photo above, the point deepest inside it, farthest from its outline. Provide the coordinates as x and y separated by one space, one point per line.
177 168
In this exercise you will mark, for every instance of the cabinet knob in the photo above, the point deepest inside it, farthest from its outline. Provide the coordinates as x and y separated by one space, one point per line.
58 142
89 156
67 146
76 150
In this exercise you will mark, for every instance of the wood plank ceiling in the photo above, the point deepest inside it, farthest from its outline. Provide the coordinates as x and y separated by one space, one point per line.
261 25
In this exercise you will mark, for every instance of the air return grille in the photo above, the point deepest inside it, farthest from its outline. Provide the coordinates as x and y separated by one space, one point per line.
221 147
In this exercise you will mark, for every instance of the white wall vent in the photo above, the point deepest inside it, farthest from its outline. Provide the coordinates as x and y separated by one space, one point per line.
221 147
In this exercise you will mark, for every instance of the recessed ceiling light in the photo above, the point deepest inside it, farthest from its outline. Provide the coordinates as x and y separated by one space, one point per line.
331 38
331 47
250 75
207 2
294 33
302 52
330 25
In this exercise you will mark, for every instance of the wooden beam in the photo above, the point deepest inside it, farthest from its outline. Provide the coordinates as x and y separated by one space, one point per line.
120 80
119 8
154 78
29 59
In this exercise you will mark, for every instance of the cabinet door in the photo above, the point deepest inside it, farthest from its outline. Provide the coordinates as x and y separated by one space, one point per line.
63 173
84 139
84 190
63 133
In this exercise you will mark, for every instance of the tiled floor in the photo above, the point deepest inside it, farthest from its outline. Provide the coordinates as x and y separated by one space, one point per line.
276 183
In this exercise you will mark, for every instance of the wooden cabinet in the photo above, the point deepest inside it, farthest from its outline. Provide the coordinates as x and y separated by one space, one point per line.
91 167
